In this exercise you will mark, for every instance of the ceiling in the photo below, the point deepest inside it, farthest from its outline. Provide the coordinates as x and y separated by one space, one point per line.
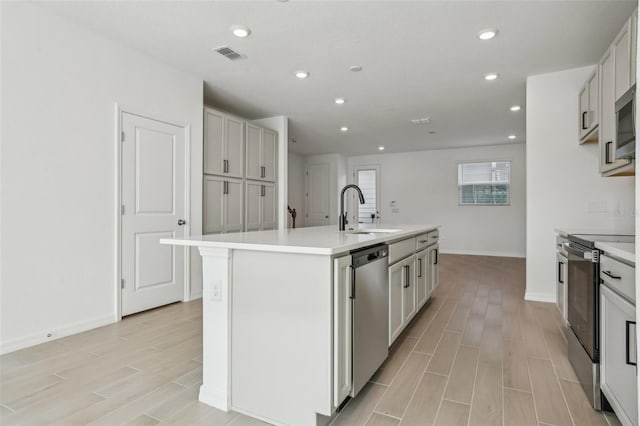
419 58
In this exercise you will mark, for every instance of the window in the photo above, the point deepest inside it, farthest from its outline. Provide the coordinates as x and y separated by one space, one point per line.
484 183
367 181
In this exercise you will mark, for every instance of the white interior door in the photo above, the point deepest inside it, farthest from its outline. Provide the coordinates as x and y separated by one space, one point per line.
317 183
153 197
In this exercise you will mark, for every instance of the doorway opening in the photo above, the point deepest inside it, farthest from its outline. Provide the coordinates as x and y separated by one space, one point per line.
367 178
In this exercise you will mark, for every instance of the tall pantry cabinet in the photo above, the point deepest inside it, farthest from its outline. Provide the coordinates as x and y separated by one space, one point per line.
239 183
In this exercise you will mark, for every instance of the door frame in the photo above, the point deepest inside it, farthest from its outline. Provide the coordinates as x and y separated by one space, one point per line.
120 110
354 179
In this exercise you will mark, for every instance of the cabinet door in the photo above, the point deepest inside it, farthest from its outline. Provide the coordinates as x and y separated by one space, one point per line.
234 201
607 115
435 267
253 199
396 290
593 101
234 147
214 127
634 47
618 336
213 214
342 276
269 152
422 278
622 61
584 110
409 297
253 152
268 195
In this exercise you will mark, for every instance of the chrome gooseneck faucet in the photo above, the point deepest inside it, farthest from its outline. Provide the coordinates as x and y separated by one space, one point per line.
342 220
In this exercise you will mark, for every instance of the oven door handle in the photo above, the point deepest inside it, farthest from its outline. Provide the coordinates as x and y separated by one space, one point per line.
579 253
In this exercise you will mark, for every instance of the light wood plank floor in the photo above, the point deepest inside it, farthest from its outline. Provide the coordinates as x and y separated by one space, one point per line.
476 355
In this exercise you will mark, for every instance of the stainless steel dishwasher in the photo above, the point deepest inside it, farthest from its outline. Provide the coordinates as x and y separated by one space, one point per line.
370 298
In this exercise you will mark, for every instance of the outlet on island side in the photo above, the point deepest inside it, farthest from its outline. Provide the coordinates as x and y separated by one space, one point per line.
216 289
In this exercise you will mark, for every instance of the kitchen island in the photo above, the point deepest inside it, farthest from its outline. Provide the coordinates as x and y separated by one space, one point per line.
276 327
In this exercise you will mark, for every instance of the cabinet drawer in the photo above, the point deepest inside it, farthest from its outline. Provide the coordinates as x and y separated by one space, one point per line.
619 276
401 249
426 239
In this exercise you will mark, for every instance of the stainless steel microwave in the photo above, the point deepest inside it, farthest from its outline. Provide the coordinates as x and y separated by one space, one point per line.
626 124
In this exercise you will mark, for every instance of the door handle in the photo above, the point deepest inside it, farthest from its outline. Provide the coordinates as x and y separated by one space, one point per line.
181 222
630 346
353 282
610 275
560 264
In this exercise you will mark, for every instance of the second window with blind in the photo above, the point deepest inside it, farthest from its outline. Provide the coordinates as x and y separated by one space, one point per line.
484 183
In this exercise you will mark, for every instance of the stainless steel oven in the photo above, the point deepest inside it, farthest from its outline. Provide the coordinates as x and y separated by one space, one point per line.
583 295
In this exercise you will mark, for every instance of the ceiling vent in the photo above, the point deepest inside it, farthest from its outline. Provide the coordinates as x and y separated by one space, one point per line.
228 53
421 121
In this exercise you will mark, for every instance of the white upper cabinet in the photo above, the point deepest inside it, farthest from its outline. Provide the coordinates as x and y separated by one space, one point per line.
261 153
223 144
616 72
588 119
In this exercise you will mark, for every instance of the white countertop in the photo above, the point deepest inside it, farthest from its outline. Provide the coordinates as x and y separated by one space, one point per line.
624 251
592 231
326 240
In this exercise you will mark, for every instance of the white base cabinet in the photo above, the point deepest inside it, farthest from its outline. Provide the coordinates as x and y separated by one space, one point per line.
342 321
618 372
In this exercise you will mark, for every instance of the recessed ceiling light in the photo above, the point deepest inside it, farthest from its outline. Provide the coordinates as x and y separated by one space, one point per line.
487 34
344 129
339 101
240 31
381 148
355 68
302 74
511 136
491 76
515 108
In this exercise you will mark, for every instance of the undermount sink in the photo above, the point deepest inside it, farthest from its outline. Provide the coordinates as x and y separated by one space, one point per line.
373 231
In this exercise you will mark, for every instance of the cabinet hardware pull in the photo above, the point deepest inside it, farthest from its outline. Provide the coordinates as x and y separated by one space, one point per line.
407 270
436 260
263 171
225 189
262 190
419 267
225 166
423 241
607 159
628 344
610 275
353 283
560 265
584 114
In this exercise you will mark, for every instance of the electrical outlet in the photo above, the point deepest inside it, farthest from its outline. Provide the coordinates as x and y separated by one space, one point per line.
216 289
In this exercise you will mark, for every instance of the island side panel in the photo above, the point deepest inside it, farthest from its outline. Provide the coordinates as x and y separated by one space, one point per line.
281 352
216 335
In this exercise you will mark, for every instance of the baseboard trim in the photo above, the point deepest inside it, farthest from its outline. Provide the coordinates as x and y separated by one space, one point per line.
540 297
195 296
482 253
214 399
56 333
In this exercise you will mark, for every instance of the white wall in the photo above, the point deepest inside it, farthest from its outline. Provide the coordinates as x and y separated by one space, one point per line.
424 186
296 187
564 187
280 124
60 84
